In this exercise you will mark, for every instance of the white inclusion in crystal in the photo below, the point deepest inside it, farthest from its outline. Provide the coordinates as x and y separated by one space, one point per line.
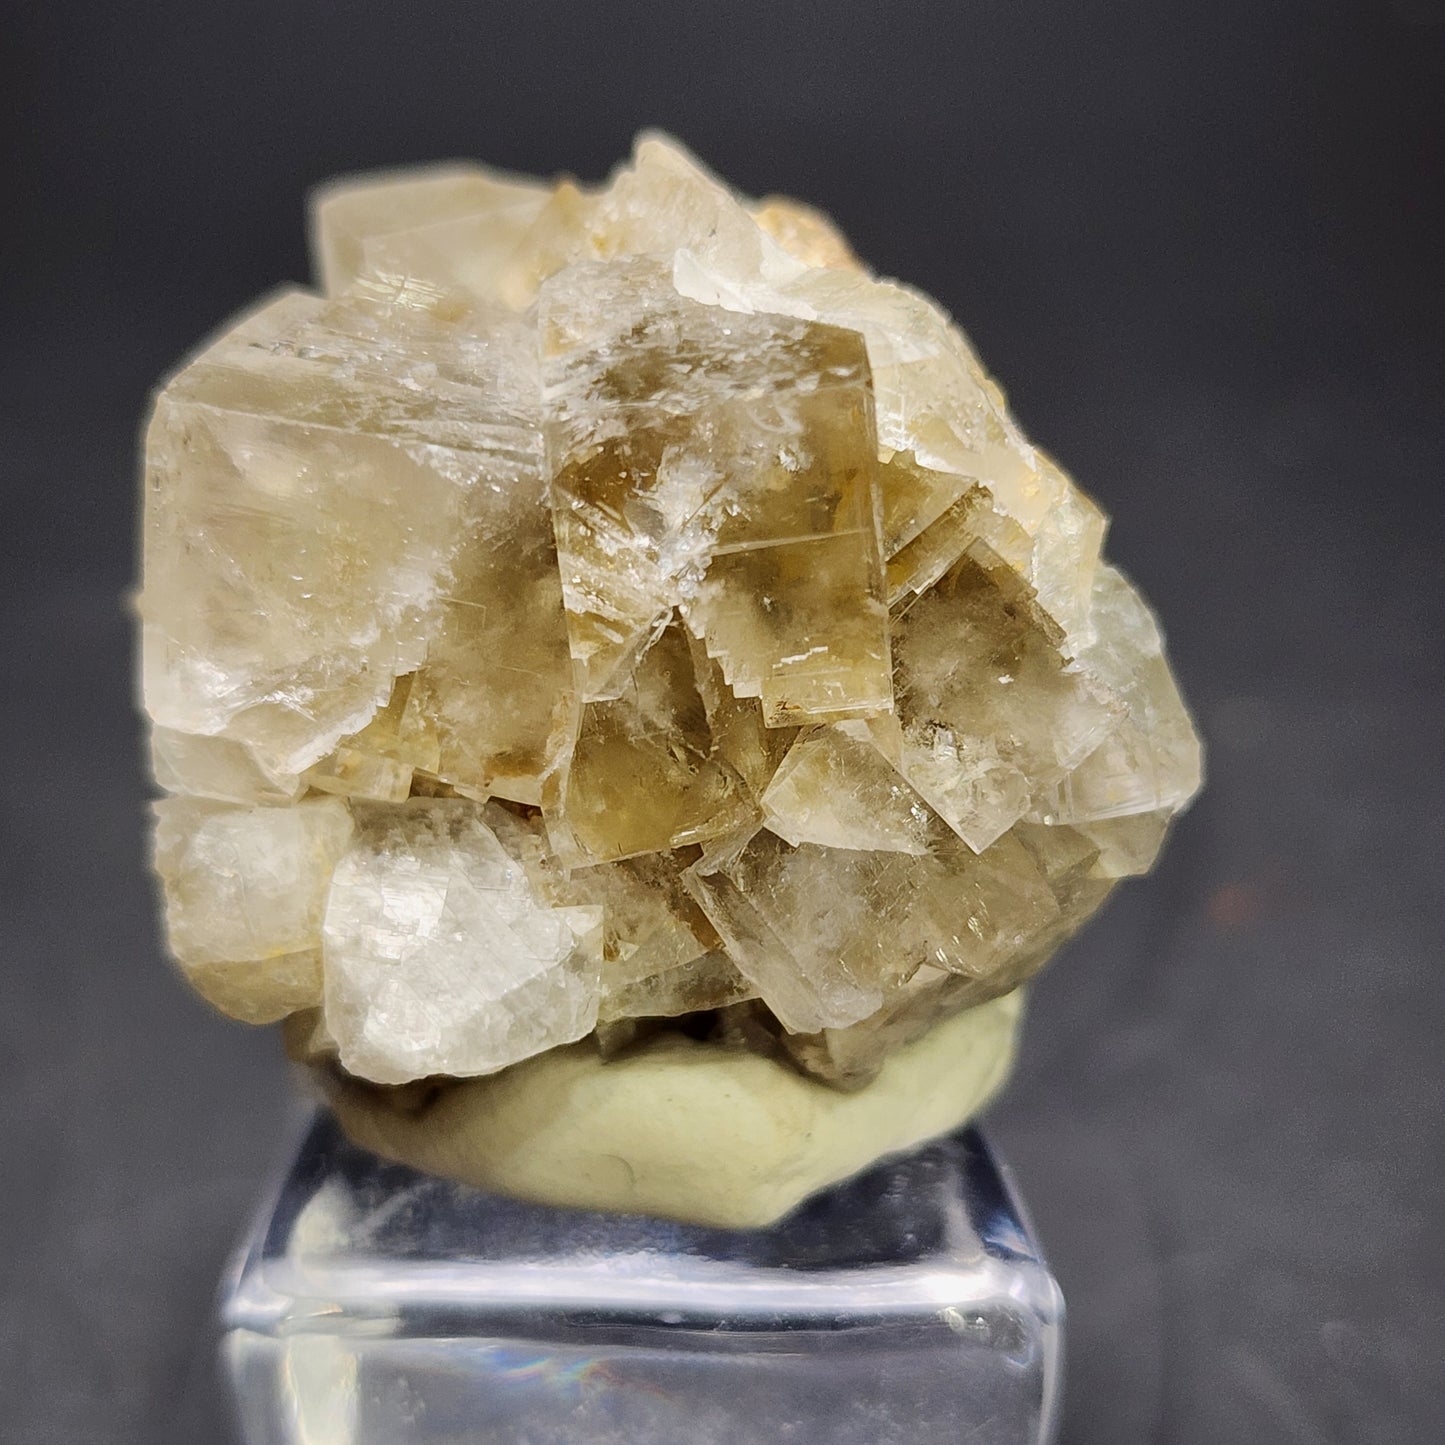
439 957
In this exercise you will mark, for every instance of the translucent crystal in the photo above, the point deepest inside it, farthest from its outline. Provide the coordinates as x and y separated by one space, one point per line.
826 933
439 956
1127 844
218 768
660 955
989 711
309 479
851 1056
835 788
739 731
662 958
804 233
380 762
497 686
1150 760
454 226
612 610
642 777
245 890
721 464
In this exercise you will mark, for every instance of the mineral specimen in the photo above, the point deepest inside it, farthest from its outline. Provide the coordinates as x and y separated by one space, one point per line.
614 612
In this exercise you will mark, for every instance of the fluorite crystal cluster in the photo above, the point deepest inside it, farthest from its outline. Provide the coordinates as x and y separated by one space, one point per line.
602 607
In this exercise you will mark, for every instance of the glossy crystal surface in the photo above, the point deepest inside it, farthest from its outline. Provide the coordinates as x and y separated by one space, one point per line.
376 1306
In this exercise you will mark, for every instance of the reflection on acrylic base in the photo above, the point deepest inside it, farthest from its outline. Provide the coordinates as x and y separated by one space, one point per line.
377 1306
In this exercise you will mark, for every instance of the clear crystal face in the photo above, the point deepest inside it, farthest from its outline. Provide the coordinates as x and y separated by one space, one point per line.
600 607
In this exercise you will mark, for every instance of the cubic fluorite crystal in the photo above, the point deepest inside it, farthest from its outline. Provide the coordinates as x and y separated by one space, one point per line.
601 607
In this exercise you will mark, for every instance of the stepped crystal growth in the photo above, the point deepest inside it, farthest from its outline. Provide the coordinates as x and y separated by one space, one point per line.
603 606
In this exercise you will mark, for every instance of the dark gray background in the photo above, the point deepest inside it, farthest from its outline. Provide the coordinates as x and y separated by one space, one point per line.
1201 244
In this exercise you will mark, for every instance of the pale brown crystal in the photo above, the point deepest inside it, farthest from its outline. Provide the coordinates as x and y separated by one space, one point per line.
610 611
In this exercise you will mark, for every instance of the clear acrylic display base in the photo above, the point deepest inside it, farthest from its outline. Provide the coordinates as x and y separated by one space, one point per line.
376 1306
